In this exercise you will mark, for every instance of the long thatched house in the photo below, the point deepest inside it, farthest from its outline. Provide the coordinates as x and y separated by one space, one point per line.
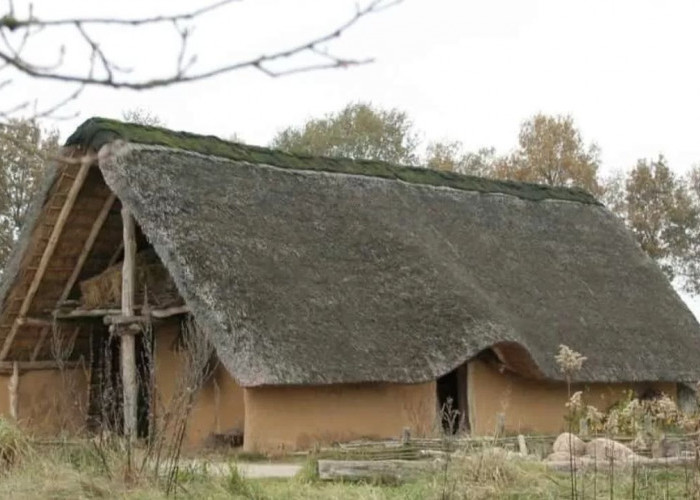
341 299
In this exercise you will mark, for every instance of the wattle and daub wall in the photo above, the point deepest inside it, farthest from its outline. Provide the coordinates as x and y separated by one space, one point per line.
50 402
279 419
534 406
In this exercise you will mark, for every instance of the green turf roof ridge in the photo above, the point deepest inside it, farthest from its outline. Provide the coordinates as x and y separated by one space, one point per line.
95 132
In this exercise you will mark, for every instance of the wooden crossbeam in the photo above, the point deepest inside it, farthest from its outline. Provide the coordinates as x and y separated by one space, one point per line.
23 320
8 366
85 164
88 313
99 313
124 320
170 311
87 247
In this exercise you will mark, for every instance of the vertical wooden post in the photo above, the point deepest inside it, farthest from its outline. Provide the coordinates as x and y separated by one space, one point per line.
406 436
217 405
522 445
500 424
13 387
583 427
128 341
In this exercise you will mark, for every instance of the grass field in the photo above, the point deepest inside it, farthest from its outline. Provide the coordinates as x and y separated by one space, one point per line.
87 472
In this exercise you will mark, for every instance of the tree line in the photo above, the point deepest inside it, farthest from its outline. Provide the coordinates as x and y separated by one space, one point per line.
660 207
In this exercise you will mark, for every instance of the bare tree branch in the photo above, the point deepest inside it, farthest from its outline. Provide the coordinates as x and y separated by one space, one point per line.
101 70
180 75
13 23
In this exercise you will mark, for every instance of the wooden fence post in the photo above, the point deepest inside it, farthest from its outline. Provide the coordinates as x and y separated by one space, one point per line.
522 445
13 387
500 425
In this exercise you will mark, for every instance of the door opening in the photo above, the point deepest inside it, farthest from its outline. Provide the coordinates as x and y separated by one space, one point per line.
105 406
452 400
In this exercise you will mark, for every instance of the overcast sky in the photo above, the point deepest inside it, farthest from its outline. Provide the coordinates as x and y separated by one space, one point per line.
626 70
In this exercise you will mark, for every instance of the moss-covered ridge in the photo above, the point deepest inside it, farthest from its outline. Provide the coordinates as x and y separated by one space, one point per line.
96 132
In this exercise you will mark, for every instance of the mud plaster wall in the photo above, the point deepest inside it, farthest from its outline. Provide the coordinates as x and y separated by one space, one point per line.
218 406
49 401
532 406
289 418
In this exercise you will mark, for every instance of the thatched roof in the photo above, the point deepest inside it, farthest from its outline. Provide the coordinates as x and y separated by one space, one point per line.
313 271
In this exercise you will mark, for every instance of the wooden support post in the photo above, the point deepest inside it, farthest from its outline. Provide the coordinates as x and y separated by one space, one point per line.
128 341
406 436
500 425
583 427
522 445
13 387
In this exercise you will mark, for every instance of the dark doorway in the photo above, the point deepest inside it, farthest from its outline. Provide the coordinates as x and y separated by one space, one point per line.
144 377
105 406
452 400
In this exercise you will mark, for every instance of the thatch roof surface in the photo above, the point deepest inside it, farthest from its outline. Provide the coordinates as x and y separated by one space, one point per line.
96 132
306 276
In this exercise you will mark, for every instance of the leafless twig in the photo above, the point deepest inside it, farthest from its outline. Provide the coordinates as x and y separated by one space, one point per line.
101 70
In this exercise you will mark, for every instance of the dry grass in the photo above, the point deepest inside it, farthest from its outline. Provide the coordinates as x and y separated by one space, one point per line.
14 445
104 468
86 472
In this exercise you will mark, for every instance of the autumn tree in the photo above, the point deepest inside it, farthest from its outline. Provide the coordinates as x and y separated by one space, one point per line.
661 213
450 156
359 130
24 149
613 192
690 264
551 151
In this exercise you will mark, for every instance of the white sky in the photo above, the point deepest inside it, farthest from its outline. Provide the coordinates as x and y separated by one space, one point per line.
627 71
469 70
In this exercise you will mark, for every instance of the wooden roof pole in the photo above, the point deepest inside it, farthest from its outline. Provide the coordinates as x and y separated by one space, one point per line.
37 348
97 225
128 340
89 242
115 255
56 232
8 367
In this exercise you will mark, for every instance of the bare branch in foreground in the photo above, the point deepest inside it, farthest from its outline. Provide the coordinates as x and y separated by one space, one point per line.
103 71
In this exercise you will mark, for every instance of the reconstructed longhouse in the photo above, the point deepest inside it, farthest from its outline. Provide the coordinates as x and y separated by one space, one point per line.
312 300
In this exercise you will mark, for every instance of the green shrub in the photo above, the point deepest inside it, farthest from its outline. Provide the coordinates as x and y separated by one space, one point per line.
239 487
308 473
